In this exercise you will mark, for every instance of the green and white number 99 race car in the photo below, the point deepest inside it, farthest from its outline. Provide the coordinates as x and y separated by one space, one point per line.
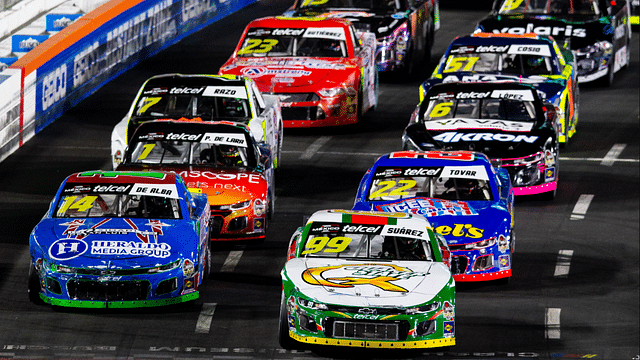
367 279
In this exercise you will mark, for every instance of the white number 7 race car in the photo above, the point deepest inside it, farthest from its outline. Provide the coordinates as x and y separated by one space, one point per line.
207 97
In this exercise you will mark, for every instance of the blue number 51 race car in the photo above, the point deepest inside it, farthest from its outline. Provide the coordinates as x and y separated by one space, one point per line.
120 240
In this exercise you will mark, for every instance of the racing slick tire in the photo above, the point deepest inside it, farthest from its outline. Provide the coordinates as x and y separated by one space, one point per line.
207 256
286 342
550 195
607 81
33 288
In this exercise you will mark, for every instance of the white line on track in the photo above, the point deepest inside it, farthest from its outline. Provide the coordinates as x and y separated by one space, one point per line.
612 155
563 263
231 261
581 206
552 323
204 320
306 155
313 148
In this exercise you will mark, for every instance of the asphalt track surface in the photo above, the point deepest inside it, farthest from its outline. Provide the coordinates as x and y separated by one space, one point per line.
574 292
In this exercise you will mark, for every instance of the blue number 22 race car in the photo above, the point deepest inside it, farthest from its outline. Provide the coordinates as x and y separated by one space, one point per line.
465 198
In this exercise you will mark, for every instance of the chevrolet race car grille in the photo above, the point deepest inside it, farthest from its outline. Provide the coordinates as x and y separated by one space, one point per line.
298 97
459 264
369 330
362 310
108 290
299 113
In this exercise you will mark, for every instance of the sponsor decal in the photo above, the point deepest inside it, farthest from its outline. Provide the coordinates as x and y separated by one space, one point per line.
449 329
335 33
504 261
162 190
404 231
258 224
472 95
259 32
465 172
503 243
77 189
151 137
57 22
549 174
251 178
448 311
186 90
156 91
542 50
326 228
97 188
522 95
261 71
556 31
224 139
452 137
491 48
381 276
429 207
460 230
533 79
308 63
453 124
382 172
130 248
236 92
462 50
67 249
287 32
345 228
388 173
183 137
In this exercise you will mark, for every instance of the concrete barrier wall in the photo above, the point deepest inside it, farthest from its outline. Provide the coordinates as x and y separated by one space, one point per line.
74 63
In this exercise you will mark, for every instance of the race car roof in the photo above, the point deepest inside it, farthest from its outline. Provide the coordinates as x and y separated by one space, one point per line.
159 129
501 39
433 159
479 89
126 177
366 217
167 80
286 22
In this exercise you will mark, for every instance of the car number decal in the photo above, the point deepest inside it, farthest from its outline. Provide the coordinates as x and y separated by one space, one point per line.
70 203
455 63
258 46
147 102
389 184
320 243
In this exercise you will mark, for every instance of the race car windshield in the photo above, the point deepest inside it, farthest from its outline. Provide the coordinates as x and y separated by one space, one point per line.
94 205
190 153
366 246
381 5
550 7
503 109
482 62
305 42
175 106
405 187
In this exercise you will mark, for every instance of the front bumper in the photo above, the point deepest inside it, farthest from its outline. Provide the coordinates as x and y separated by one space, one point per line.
115 291
481 265
339 110
230 225
532 178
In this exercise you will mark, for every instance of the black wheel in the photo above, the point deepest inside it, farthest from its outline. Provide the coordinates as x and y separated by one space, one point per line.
429 37
286 342
34 286
503 281
567 126
607 81
550 195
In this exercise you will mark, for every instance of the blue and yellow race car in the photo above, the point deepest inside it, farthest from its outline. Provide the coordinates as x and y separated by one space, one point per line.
464 197
529 58
120 240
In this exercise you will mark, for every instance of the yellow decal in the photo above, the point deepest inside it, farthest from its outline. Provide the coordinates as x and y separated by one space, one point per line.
82 204
441 110
258 46
336 245
146 103
511 5
455 63
146 151
389 184
377 276
460 230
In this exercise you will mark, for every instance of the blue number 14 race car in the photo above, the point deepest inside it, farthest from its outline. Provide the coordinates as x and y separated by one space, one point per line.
120 240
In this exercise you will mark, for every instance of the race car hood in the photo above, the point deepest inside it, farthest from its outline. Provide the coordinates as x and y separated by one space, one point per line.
282 75
380 22
496 143
223 185
580 29
357 283
116 243
460 222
